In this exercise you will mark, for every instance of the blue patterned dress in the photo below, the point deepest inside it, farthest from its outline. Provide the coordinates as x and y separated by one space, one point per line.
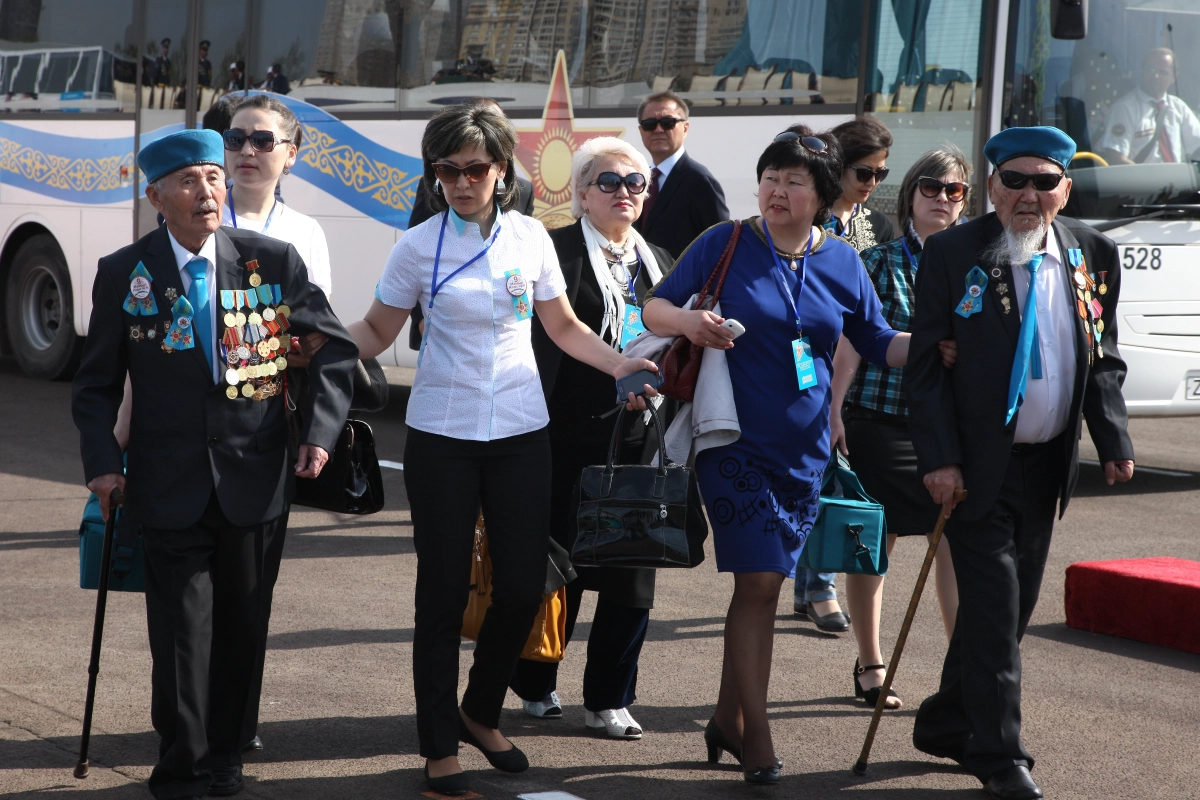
761 491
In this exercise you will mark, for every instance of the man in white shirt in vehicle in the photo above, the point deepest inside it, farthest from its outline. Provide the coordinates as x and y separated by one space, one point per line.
1148 125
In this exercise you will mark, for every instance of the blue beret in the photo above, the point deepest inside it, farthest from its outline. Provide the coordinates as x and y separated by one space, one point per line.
178 150
1041 141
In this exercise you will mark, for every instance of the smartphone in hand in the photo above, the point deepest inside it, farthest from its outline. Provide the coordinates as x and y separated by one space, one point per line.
636 383
733 326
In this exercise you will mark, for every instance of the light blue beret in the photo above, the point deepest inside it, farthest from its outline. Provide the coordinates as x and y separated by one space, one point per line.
1040 140
178 150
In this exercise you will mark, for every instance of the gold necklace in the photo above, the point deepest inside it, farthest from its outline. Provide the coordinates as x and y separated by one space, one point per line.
791 257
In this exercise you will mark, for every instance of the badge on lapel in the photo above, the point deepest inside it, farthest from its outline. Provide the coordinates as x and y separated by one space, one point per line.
179 335
140 299
972 301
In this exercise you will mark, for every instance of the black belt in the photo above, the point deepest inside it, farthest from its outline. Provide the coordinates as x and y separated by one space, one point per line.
1030 448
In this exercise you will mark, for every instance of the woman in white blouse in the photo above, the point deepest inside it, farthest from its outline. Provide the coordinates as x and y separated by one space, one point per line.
477 423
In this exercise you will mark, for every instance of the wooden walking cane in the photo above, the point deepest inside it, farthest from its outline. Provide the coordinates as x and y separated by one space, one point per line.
860 766
116 498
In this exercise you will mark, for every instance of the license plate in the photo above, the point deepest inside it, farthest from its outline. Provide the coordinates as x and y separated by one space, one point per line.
1192 390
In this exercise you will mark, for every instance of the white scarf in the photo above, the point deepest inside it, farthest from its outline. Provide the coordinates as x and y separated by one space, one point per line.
610 289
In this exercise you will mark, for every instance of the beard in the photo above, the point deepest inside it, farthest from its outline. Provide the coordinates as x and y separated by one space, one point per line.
1015 247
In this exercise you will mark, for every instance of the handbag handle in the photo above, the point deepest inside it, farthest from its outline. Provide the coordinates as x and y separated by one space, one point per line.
660 478
719 271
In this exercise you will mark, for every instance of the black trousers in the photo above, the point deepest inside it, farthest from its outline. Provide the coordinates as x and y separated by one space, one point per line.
272 558
204 601
998 561
448 480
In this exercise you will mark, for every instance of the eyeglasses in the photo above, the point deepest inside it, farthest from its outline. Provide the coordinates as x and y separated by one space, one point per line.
932 187
610 182
448 173
261 141
666 123
810 143
865 174
1042 181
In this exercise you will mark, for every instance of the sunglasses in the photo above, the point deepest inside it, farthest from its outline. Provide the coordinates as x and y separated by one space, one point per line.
610 182
810 143
261 141
1042 181
666 123
931 188
448 173
865 174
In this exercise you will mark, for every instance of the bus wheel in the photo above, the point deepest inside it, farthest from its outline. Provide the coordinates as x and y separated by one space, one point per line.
40 311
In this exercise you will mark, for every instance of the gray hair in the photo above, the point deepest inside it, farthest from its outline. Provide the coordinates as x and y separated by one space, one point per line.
945 160
583 165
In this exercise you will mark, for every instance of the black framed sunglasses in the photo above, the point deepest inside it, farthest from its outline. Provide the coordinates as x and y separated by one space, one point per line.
865 174
810 143
932 187
261 141
610 182
666 123
448 173
1042 181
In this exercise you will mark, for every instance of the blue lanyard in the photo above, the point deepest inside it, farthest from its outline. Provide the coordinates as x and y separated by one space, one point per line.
434 286
270 216
781 277
907 252
633 280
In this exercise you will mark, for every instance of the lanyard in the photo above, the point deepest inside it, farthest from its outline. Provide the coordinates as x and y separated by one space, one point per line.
632 281
434 285
270 216
781 279
907 252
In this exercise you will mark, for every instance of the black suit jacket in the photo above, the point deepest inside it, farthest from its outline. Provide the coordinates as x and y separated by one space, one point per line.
689 203
957 416
186 436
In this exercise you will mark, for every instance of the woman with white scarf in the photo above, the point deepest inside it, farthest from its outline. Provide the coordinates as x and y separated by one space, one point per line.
608 268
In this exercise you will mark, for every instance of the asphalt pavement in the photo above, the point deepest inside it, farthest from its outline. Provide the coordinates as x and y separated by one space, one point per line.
1104 717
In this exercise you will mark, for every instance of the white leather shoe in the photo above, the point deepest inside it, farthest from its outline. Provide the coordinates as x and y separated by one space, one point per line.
548 707
618 723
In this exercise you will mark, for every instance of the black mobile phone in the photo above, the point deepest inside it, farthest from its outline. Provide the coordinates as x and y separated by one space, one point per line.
636 383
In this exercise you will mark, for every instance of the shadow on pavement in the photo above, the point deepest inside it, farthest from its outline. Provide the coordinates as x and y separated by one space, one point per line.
1091 483
1139 651
32 541
316 545
332 637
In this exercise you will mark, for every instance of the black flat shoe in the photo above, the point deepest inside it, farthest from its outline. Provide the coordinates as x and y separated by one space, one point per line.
253 745
1013 783
837 622
453 784
765 776
800 609
226 781
504 760
870 695
716 742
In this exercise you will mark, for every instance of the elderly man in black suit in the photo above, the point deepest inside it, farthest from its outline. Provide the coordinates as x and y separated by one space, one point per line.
683 199
1032 301
199 317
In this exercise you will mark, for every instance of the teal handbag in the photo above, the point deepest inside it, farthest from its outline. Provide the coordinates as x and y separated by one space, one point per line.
850 534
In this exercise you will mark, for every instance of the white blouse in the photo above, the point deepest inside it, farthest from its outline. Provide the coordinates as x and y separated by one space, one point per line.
476 376
302 232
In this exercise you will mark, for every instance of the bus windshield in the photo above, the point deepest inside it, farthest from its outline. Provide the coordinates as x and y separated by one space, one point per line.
1128 94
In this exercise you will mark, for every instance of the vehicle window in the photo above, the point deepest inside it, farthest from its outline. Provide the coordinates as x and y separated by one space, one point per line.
1128 95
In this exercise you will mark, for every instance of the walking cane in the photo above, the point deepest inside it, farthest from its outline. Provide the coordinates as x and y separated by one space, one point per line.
116 498
860 766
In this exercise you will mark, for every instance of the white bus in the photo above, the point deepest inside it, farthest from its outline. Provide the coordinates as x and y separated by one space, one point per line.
364 76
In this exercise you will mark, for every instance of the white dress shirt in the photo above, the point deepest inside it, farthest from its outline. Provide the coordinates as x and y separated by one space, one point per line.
302 232
668 164
476 377
208 251
1047 403
1129 127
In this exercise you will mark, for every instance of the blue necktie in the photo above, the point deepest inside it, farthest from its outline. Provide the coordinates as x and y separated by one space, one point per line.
1028 356
198 297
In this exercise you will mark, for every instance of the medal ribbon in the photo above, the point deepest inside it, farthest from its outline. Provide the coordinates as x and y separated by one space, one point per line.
146 306
180 336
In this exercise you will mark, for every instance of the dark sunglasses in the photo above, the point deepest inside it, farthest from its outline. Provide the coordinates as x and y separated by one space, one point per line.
931 188
261 141
610 182
865 174
448 173
666 123
810 143
1042 181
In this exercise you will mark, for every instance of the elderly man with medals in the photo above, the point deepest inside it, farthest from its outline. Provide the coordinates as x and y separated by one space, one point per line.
1031 299
200 318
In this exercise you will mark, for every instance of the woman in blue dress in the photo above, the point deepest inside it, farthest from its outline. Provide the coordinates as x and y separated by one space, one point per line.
795 290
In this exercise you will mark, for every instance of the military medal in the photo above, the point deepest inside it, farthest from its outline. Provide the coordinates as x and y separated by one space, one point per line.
171 294
996 273
252 265
135 333
1080 280
1007 303
972 302
516 285
140 299
268 314
248 390
231 377
231 392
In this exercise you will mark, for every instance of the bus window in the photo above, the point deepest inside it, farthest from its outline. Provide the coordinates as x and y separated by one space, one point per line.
926 59
1127 94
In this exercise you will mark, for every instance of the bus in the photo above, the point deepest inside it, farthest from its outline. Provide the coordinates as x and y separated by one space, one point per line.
83 84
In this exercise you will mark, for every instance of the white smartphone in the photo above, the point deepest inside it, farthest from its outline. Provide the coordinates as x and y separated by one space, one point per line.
735 326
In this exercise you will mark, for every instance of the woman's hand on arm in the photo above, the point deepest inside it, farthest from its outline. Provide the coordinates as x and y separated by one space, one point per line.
702 328
897 351
376 331
845 364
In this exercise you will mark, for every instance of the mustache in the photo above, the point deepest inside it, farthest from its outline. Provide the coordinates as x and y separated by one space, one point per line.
208 207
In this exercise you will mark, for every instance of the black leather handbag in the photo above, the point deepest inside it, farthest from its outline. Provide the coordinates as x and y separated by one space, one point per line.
351 482
638 515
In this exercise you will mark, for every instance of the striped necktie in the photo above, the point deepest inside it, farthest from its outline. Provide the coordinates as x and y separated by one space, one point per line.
1164 141
198 297
651 193
1028 357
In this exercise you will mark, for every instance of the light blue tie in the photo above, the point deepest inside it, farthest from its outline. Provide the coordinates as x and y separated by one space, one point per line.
198 297
1028 357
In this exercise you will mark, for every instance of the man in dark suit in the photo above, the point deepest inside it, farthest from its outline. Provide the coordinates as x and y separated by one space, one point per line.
199 317
1032 303
683 199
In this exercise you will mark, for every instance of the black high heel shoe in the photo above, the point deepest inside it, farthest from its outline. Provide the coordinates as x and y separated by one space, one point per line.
715 740
454 784
504 760
870 695
765 776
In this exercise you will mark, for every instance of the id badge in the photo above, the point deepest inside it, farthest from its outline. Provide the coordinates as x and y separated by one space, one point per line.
633 325
806 368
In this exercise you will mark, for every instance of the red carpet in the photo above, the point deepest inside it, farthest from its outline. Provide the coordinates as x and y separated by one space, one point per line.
1153 600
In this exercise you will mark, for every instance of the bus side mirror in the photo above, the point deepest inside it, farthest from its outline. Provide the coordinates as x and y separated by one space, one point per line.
1068 19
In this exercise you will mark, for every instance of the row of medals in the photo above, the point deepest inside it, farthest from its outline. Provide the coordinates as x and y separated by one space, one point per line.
255 366
1089 307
